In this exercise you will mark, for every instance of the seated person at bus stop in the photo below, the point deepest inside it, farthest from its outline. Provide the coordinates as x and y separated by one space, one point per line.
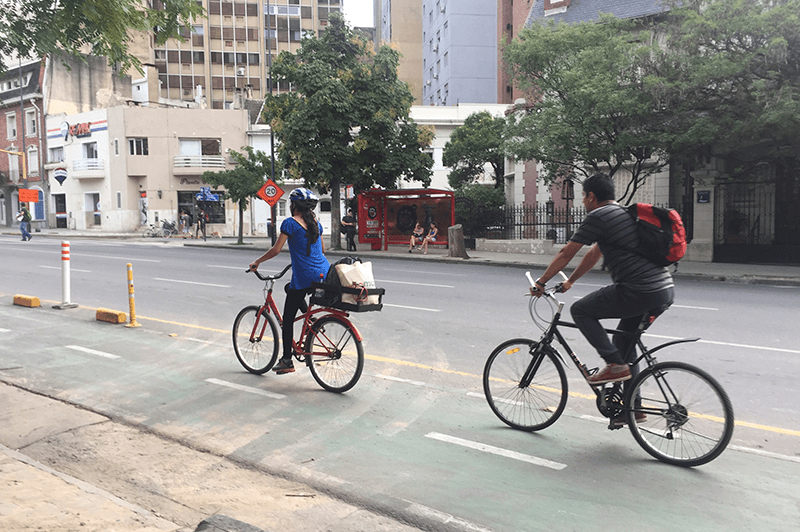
416 237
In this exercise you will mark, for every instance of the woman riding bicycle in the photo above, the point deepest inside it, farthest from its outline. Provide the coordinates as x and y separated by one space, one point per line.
304 234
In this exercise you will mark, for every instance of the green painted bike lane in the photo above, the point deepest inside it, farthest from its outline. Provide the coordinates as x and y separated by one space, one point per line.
403 442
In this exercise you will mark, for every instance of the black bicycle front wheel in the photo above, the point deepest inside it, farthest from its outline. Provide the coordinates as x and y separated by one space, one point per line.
334 354
688 417
525 384
256 340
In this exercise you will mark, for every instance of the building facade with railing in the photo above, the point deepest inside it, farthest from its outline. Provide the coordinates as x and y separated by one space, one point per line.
117 169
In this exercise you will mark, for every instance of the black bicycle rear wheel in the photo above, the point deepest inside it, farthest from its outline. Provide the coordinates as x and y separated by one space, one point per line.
334 354
689 417
525 384
256 340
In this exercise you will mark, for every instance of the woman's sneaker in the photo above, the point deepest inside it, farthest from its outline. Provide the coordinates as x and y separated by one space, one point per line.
283 366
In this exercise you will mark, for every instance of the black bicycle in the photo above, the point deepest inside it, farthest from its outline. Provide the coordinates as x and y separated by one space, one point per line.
678 413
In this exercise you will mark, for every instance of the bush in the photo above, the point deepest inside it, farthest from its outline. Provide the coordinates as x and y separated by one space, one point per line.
479 207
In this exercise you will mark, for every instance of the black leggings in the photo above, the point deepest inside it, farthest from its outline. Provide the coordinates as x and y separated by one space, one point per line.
295 301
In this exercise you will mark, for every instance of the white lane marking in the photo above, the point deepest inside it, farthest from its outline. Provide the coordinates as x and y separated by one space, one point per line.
4 330
424 273
247 389
91 351
694 308
199 341
729 344
191 282
764 453
414 283
127 259
445 518
240 268
496 450
59 267
412 308
398 379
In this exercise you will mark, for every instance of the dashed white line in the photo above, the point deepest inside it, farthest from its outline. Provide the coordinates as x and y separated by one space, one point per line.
444 517
247 389
764 453
412 308
535 460
398 379
191 282
59 267
729 344
240 268
694 308
4 330
414 283
91 351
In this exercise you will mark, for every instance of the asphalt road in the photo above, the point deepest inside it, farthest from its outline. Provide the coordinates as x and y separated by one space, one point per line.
415 435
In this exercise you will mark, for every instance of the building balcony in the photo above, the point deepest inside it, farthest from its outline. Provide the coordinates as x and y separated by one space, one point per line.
197 164
88 169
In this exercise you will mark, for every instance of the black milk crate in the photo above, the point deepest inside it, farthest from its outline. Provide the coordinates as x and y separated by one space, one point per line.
330 295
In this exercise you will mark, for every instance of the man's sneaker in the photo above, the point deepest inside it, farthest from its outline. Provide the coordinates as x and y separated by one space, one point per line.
621 421
611 373
283 366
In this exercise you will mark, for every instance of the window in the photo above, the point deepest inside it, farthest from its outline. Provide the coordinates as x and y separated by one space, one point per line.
30 123
56 155
11 125
90 150
119 199
138 146
33 161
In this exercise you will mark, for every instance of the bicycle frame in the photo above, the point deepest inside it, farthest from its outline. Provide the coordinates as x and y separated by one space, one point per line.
270 306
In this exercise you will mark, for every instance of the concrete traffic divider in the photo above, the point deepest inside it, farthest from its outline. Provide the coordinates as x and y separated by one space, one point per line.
27 301
110 316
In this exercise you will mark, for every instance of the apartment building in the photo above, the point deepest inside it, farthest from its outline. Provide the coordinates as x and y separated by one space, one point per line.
398 23
459 54
227 55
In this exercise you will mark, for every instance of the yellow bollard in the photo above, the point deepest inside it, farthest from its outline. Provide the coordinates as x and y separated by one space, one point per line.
131 301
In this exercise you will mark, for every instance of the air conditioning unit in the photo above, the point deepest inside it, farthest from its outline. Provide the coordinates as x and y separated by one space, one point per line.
435 47
443 8
436 76
240 71
428 82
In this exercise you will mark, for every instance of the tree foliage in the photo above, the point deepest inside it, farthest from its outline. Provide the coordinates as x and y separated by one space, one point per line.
730 75
34 28
589 108
347 120
479 207
473 145
243 180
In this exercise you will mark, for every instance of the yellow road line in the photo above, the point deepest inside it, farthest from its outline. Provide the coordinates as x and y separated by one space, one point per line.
747 424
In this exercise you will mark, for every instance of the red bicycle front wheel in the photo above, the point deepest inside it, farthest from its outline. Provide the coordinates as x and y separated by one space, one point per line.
256 340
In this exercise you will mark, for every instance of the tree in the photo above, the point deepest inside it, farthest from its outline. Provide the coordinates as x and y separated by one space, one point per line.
348 119
35 28
589 109
473 145
479 207
243 180
730 75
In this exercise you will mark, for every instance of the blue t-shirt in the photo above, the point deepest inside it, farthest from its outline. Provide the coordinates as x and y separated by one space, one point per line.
306 268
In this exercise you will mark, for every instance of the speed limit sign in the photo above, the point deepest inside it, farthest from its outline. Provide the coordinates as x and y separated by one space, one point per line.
270 192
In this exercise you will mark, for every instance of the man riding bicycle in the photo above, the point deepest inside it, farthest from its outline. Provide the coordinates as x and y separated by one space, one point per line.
639 286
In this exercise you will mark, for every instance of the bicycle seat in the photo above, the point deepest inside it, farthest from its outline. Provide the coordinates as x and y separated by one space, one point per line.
650 316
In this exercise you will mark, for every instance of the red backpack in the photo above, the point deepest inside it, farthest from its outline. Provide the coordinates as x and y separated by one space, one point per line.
662 236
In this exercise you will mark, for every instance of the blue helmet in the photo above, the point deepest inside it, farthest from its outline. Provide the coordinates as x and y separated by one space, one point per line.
303 198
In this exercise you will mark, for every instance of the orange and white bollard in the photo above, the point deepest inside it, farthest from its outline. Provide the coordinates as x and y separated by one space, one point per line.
65 280
131 302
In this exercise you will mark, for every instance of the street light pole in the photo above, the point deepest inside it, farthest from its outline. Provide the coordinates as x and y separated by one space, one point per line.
273 216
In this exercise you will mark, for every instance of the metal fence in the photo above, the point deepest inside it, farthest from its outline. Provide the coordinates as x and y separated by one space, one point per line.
516 222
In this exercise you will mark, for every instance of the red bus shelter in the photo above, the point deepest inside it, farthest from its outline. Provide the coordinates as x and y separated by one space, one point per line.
389 216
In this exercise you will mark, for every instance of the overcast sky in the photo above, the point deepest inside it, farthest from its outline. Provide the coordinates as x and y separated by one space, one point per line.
358 13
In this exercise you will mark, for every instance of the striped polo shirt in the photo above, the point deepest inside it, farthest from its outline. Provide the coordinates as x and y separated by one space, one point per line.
614 230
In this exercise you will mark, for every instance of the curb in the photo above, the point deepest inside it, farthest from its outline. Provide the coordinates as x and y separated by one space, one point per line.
110 316
27 301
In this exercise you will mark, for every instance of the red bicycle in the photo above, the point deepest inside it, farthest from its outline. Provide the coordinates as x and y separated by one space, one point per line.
331 346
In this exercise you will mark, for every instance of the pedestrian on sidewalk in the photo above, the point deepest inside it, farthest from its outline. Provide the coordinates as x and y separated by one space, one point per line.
24 217
202 218
349 224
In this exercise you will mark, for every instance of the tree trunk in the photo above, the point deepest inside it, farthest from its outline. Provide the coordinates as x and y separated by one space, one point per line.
241 222
336 214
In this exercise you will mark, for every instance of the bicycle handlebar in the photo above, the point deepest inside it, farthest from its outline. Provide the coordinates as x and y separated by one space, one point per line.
559 288
270 277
